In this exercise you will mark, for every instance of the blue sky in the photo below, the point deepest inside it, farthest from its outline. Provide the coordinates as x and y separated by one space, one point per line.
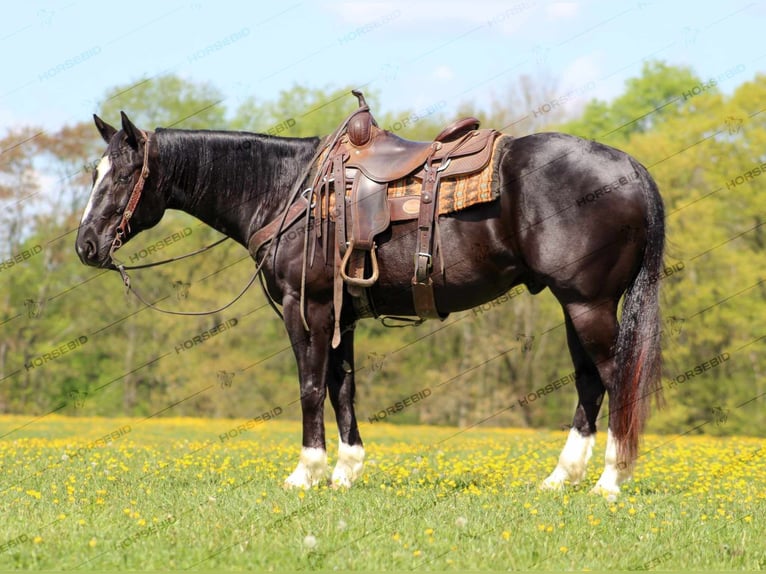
59 58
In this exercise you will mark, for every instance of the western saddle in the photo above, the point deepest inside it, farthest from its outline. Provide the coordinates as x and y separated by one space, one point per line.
361 161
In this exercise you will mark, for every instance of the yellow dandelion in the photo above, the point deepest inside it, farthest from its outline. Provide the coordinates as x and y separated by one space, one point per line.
748 518
37 539
417 553
506 535
429 531
563 549
631 511
92 543
35 494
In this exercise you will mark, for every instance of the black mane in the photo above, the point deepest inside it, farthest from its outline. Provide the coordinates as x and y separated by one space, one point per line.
250 172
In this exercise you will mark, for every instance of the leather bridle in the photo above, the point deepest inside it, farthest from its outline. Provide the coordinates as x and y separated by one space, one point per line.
123 227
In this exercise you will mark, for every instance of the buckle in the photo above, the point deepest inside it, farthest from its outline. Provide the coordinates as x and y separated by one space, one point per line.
441 167
428 256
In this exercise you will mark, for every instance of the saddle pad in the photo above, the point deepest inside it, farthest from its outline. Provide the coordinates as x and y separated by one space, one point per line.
461 191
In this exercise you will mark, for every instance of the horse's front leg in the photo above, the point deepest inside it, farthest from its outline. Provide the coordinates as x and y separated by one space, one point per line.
340 381
312 352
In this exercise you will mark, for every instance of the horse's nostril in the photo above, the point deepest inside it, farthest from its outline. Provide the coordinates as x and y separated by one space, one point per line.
86 249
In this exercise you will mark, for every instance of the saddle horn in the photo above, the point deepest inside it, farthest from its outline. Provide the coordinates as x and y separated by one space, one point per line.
359 126
360 96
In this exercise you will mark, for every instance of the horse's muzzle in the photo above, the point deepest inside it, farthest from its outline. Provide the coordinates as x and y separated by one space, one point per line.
89 252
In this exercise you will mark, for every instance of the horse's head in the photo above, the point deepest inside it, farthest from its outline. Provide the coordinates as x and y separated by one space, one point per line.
124 199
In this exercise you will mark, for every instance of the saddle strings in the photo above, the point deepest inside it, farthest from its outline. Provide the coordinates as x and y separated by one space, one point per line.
328 144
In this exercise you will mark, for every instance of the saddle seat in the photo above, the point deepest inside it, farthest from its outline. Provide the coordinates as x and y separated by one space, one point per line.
385 157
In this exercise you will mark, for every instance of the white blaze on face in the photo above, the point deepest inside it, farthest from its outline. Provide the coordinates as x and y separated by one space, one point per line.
104 166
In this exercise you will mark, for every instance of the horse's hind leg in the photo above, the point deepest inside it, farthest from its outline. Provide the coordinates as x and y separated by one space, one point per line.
591 333
340 383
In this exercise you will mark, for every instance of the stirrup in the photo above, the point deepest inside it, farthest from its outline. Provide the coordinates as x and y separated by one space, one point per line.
359 281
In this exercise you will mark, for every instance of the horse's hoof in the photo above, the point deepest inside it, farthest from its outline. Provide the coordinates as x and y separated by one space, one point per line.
560 477
349 467
312 467
341 483
551 484
609 492
292 483
343 477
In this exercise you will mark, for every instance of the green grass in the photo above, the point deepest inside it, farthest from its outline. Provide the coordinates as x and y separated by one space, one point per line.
170 494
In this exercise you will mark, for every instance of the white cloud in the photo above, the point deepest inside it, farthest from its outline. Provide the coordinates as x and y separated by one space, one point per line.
443 73
363 12
580 81
561 10
500 14
582 70
8 121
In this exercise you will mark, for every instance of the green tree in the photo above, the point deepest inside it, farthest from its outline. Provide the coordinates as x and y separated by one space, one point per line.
654 96
167 101
299 111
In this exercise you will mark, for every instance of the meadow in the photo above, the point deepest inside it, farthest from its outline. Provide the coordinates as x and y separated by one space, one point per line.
186 493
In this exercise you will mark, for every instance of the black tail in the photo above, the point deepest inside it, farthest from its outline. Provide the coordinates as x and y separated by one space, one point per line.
638 353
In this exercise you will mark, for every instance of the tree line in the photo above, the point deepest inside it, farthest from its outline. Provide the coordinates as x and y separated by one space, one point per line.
73 343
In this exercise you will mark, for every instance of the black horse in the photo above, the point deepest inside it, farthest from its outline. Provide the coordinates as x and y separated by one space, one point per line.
581 218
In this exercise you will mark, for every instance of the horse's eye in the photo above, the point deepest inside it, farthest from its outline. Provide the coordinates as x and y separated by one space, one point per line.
123 179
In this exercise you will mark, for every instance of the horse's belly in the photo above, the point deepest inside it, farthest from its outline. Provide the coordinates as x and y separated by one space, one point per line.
476 264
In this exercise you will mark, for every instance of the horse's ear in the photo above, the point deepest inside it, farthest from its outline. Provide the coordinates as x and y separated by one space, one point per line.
106 131
133 135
